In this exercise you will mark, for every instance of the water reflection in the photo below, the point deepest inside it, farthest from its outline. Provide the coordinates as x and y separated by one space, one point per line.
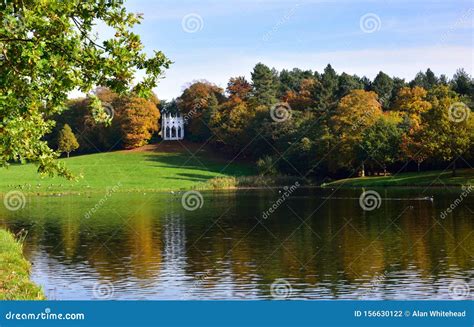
149 247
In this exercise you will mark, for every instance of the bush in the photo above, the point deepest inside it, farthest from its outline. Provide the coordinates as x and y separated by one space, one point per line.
266 166
252 181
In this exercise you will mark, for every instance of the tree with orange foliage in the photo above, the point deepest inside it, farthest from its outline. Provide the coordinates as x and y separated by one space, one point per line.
239 87
138 120
354 114
197 104
412 146
301 100
412 103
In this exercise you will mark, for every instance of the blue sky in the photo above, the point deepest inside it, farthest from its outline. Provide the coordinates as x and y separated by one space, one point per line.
232 36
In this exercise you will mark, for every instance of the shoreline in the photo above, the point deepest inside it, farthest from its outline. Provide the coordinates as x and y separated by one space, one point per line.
425 179
262 188
15 282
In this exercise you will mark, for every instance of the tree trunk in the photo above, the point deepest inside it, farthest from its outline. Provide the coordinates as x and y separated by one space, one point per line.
67 154
362 171
454 167
418 163
384 171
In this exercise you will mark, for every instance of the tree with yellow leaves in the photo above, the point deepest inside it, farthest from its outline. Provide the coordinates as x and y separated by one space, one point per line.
353 115
138 120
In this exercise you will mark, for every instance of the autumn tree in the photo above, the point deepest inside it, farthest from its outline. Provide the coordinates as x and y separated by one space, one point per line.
132 121
337 122
197 104
49 49
301 100
239 87
67 141
412 146
449 126
230 122
354 114
412 102
138 120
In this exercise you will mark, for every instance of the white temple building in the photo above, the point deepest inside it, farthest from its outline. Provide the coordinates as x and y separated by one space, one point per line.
172 127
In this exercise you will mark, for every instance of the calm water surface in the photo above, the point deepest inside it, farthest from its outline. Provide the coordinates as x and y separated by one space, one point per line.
321 242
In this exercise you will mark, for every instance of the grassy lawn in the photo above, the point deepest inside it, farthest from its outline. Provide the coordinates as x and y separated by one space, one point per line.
428 178
15 283
153 168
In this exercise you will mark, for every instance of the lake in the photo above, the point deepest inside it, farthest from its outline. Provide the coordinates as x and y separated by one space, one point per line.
317 244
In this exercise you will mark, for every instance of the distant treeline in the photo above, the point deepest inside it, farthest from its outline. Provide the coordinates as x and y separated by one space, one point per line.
313 124
303 123
132 122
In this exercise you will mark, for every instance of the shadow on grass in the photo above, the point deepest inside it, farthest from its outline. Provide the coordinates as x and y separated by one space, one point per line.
190 177
189 162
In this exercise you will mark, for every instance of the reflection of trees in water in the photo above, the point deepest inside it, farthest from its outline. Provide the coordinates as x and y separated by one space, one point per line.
162 239
70 231
349 248
144 244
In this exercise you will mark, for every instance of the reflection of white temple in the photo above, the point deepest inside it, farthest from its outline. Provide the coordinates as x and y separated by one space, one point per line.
172 278
172 127
174 242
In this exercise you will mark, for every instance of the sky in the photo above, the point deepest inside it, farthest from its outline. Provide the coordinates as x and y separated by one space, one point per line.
218 39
